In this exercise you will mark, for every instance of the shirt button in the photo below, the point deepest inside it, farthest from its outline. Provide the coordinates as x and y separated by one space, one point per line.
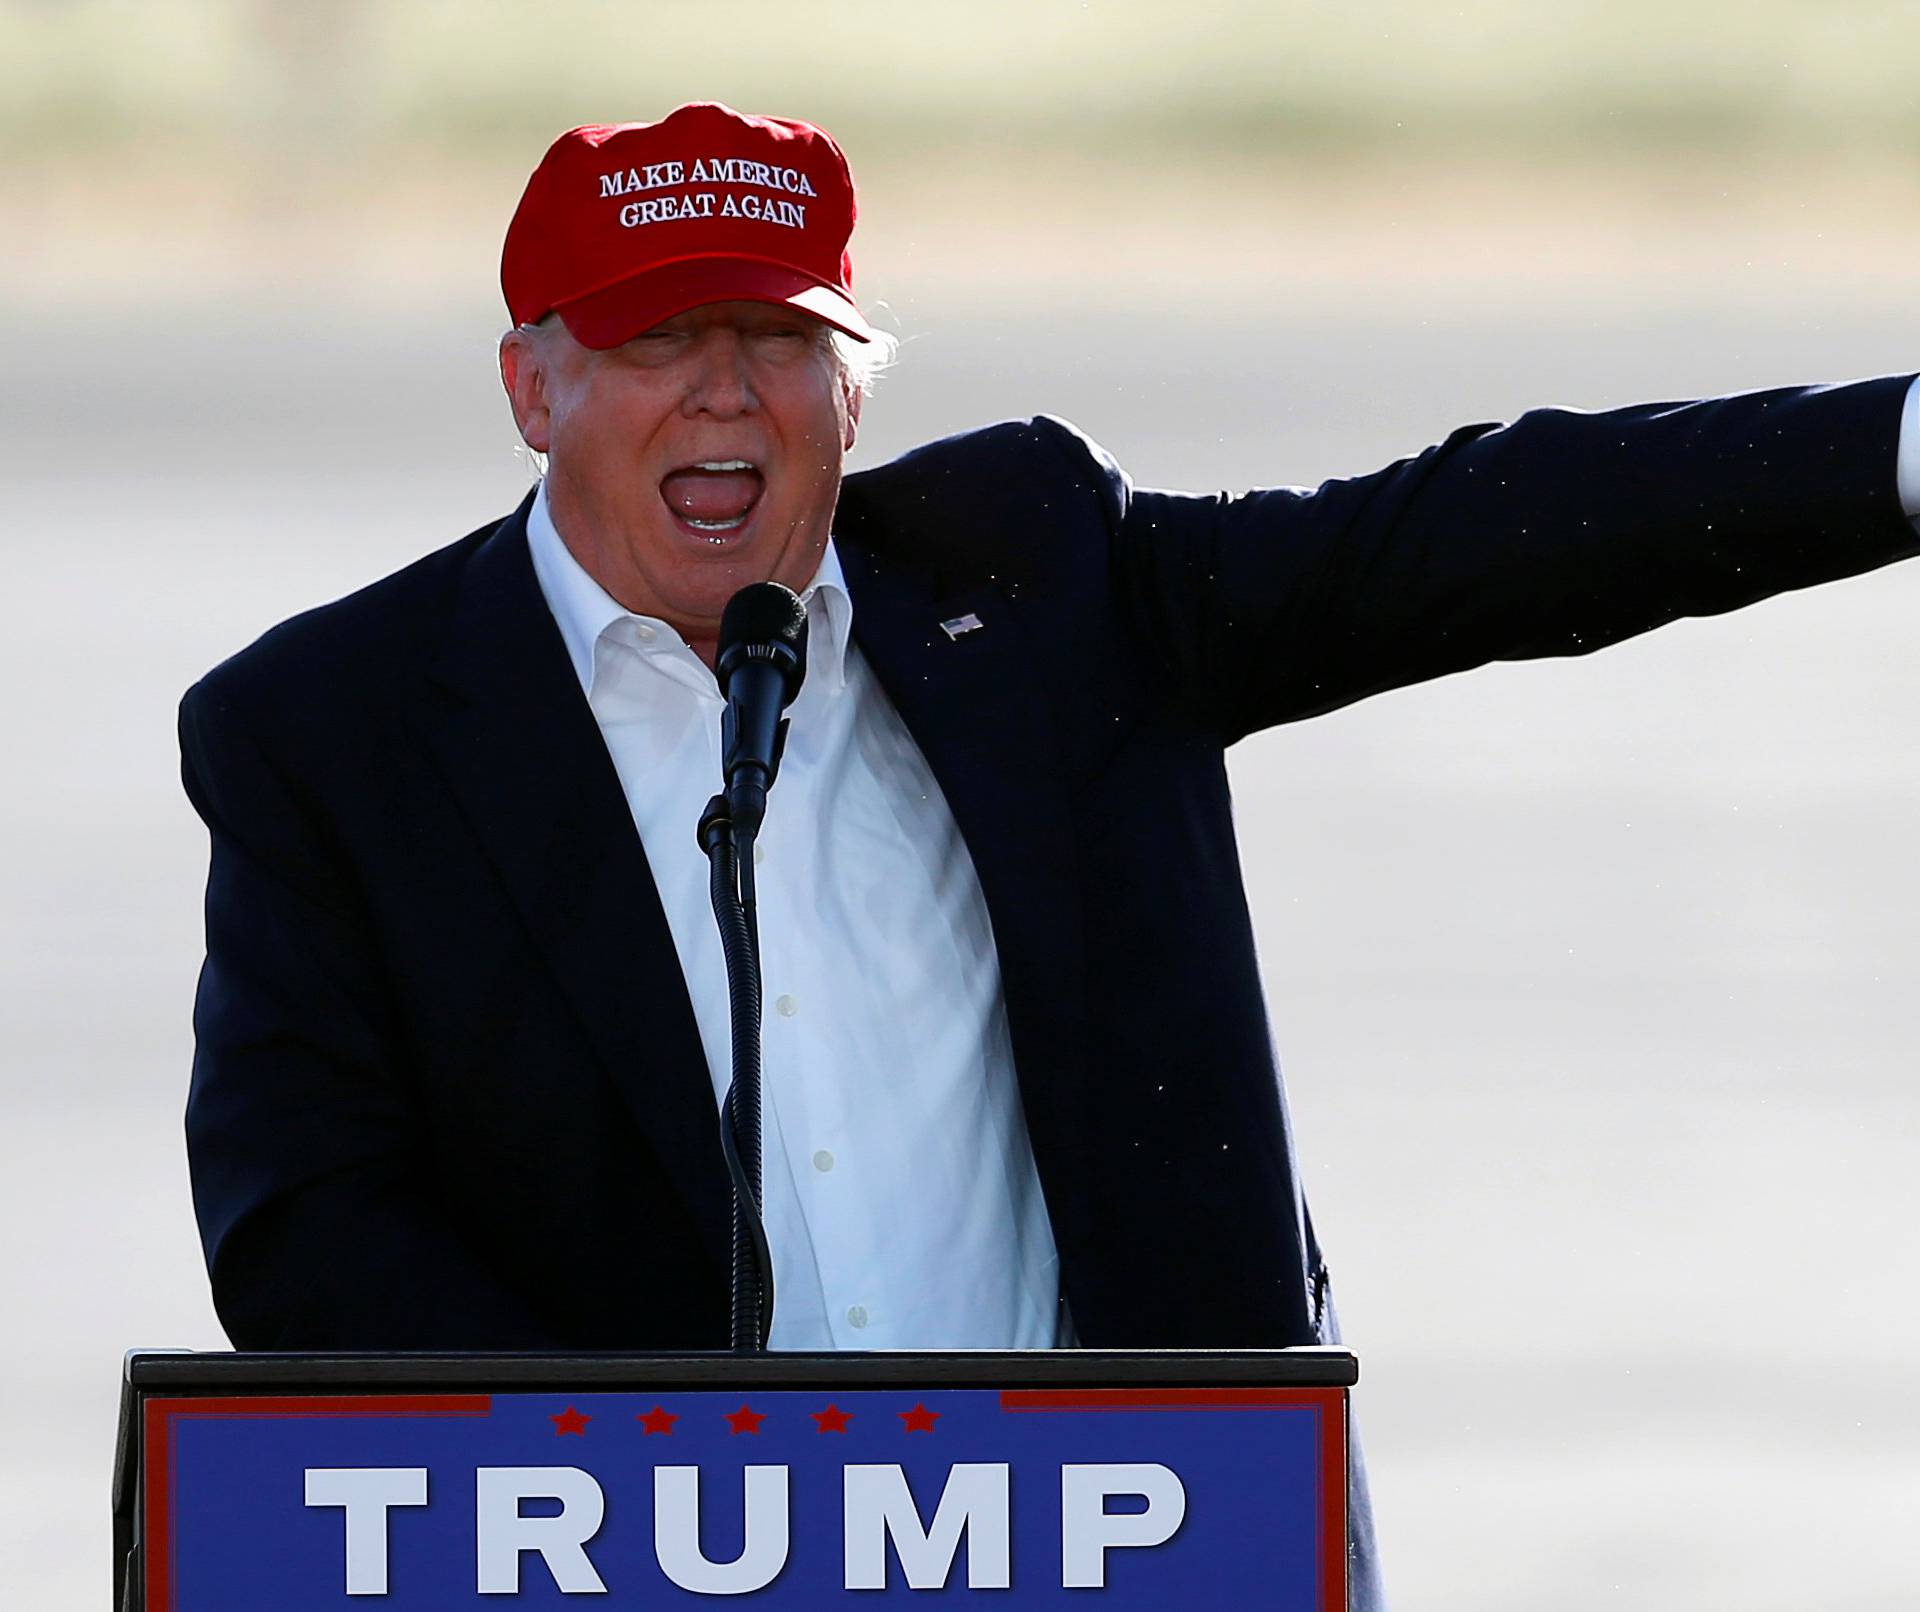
785 1006
643 632
823 1161
857 1316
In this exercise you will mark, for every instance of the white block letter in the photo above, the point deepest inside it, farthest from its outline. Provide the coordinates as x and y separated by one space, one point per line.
366 1492
879 1504
676 1532
1088 1529
501 1534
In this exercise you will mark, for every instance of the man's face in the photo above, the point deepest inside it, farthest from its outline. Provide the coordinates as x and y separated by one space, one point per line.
703 455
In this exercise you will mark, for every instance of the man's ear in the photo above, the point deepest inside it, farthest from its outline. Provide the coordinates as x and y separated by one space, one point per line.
854 395
521 375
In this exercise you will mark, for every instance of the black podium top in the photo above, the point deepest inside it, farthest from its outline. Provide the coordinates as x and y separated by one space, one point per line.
177 1372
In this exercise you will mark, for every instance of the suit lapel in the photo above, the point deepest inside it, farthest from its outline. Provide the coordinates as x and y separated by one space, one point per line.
520 748
972 701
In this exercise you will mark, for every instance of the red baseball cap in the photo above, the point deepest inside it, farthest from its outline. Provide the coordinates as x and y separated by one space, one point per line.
626 224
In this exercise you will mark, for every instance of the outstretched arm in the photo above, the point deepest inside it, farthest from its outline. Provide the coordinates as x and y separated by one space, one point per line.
1555 535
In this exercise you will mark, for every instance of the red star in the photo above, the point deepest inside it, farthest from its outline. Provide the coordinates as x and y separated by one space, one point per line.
833 1419
744 1420
657 1420
570 1421
919 1419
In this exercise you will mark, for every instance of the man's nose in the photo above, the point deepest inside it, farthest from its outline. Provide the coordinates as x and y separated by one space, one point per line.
720 384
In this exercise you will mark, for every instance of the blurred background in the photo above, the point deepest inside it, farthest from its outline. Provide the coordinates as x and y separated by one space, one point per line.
1592 978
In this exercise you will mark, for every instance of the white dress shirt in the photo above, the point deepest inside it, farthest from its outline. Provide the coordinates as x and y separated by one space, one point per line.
901 1200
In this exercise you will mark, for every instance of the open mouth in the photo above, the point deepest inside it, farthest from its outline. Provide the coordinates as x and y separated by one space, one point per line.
715 497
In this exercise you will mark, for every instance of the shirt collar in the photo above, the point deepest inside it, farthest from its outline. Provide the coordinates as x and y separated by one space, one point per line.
583 610
827 598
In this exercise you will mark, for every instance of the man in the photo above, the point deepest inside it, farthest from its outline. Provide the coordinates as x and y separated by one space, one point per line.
462 1024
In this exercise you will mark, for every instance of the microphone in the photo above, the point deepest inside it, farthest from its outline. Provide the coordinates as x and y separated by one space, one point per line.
761 661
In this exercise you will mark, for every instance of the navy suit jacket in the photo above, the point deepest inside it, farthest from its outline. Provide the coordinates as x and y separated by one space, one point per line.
449 1091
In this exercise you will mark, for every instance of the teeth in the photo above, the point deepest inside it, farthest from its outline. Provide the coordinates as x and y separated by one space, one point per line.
724 464
715 526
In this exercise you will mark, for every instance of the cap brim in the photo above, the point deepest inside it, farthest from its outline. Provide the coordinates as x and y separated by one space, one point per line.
617 313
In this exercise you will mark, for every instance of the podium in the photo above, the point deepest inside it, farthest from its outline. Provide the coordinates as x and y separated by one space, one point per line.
428 1483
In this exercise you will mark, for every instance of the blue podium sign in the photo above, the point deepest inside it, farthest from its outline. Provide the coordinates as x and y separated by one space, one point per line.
1153 1497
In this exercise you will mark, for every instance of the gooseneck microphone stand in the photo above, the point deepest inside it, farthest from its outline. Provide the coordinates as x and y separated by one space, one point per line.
730 886
760 663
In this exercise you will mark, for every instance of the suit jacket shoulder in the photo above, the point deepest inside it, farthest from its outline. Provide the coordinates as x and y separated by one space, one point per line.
351 647
1006 501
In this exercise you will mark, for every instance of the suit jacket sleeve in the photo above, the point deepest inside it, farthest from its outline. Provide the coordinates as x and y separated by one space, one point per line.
307 1156
1554 535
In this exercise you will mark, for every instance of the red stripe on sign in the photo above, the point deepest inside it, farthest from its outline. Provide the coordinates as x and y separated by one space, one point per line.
157 1456
1068 1399
1333 1519
333 1405
156 1474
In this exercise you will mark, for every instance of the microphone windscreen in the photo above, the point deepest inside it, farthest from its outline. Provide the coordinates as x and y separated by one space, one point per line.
760 621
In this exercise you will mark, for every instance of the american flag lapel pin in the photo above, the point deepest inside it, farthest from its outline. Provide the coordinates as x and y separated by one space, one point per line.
959 624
